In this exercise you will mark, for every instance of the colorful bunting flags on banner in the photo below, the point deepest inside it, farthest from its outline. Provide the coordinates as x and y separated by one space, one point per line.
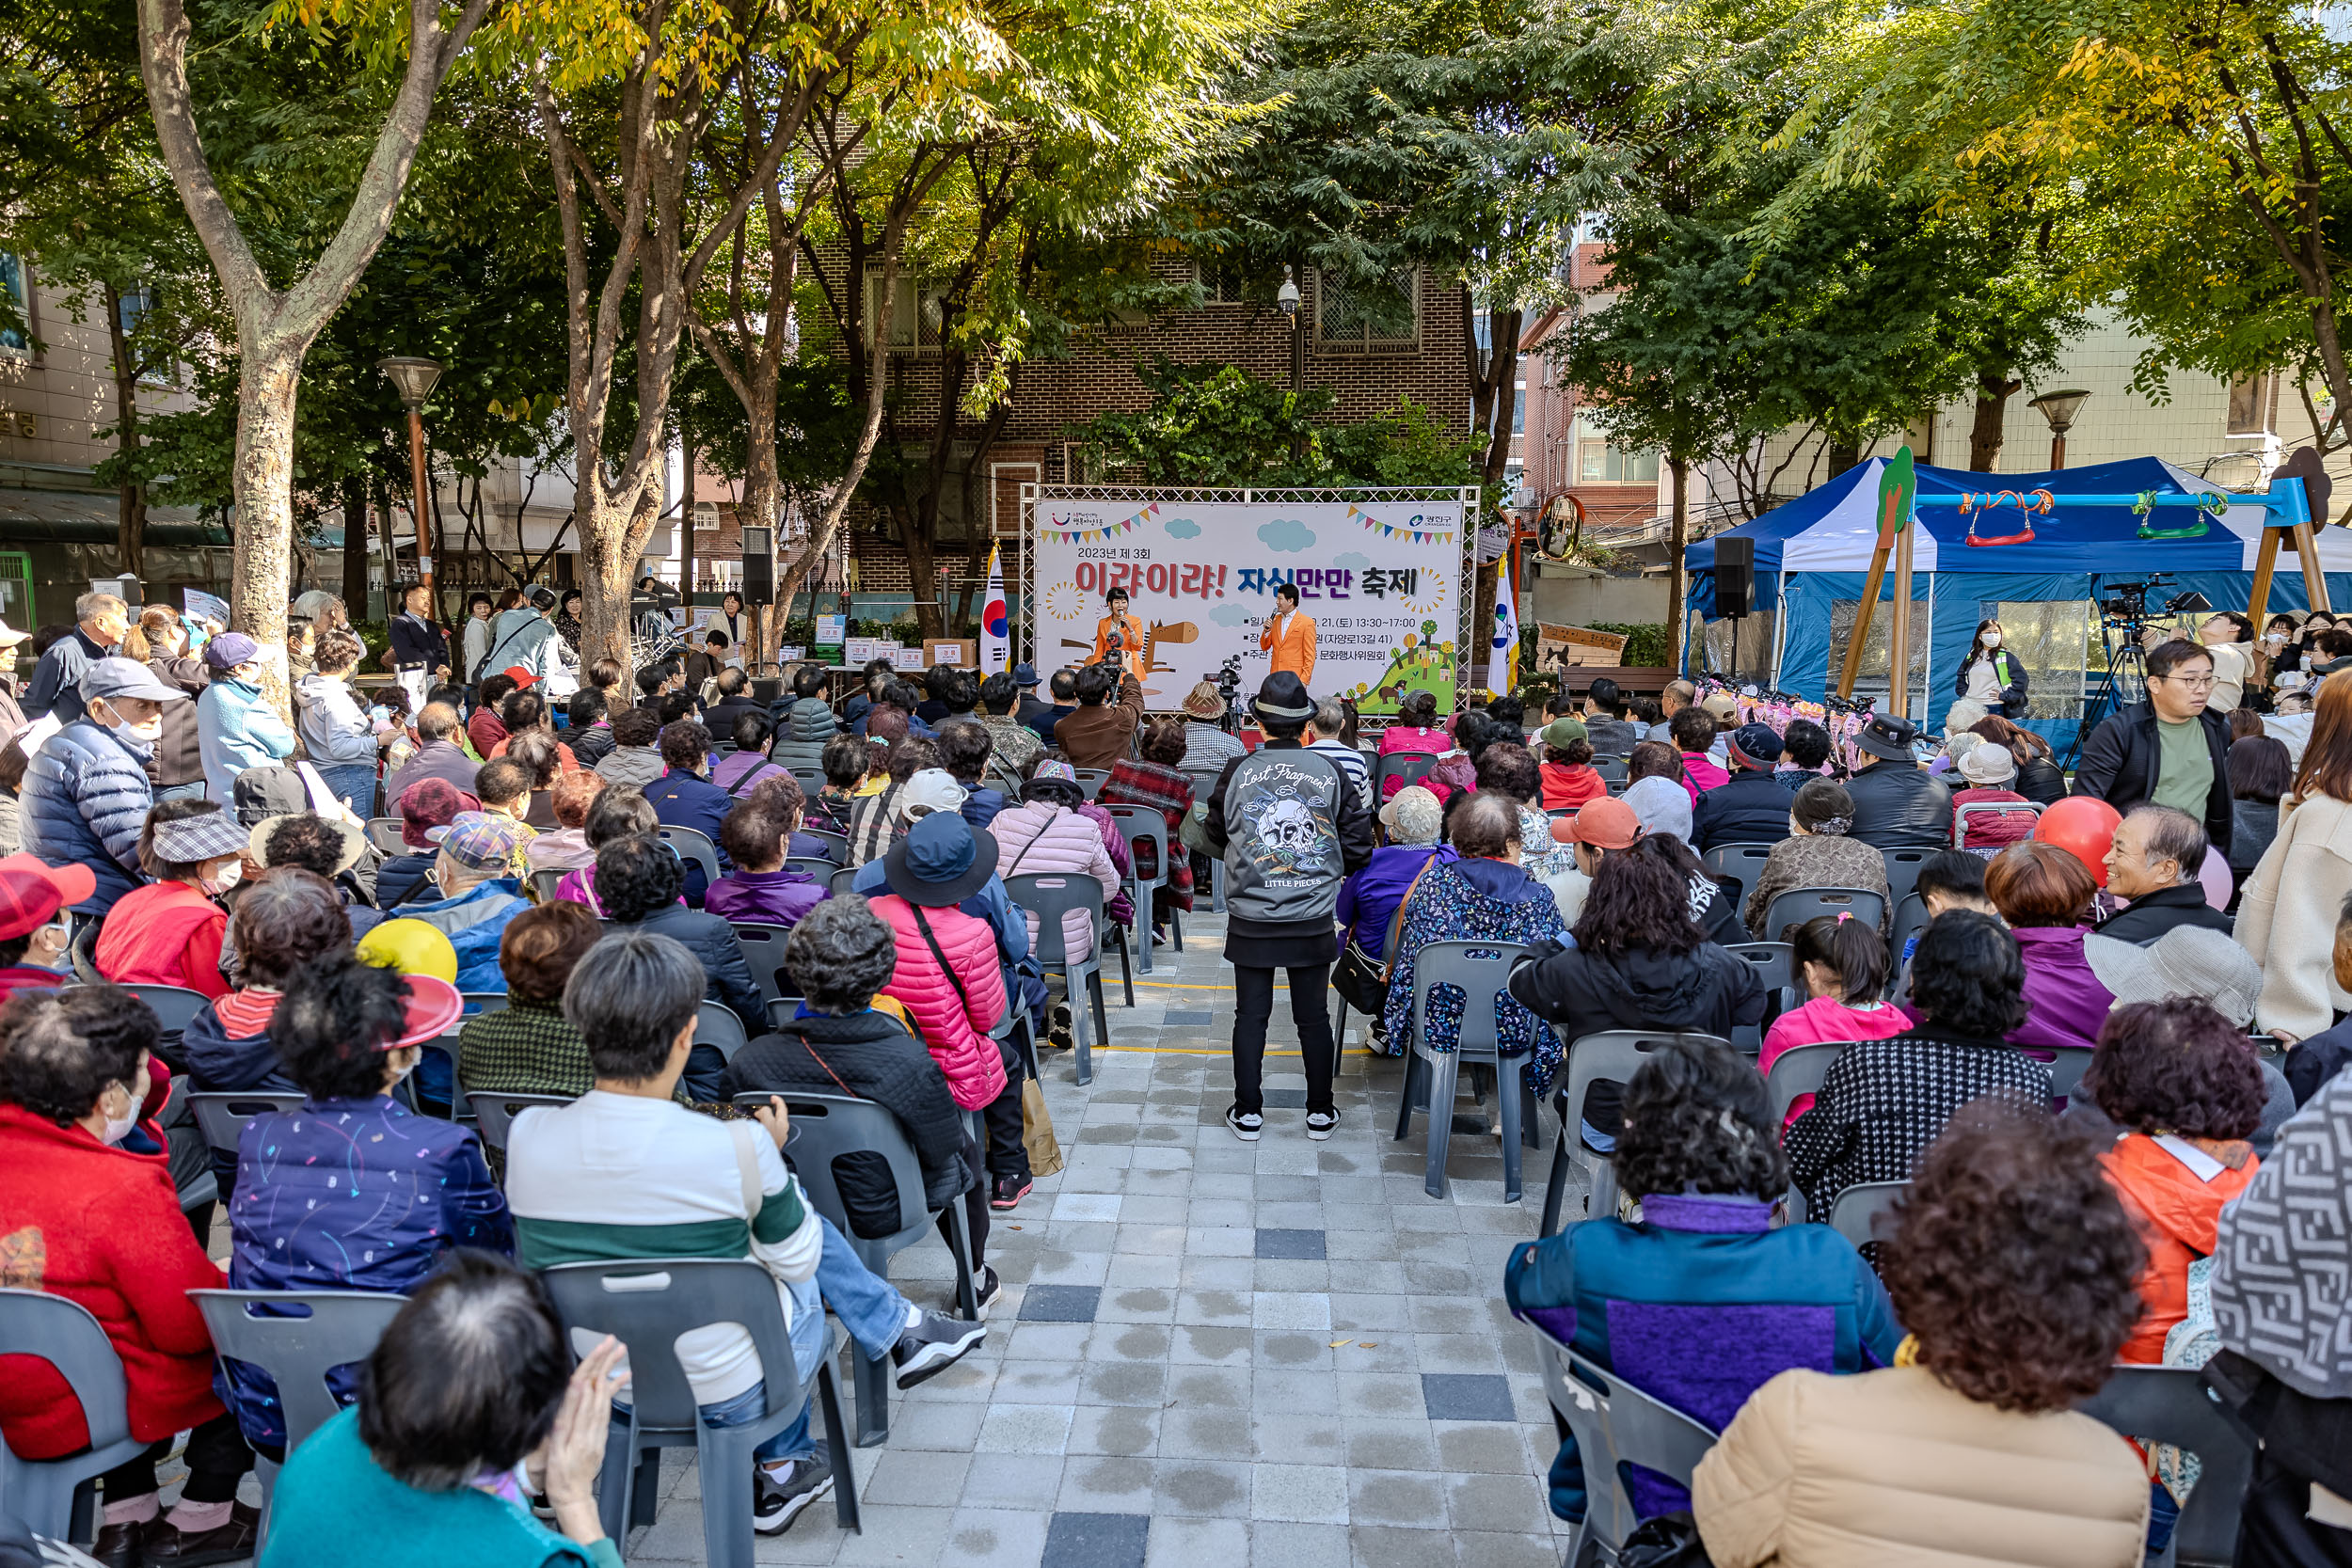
1090 534
1412 528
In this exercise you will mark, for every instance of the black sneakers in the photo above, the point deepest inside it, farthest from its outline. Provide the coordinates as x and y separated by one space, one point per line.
932 1346
1320 1123
775 1504
1007 1190
1246 1125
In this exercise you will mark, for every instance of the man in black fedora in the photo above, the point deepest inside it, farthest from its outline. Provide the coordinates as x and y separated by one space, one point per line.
1291 829
1896 805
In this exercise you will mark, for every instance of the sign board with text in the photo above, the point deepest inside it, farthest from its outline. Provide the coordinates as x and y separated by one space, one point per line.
1380 579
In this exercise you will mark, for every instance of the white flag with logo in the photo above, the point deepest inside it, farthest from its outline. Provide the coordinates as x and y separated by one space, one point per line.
995 626
1503 652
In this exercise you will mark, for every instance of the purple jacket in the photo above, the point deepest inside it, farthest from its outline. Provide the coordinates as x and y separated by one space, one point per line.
725 770
765 897
1368 901
2065 1003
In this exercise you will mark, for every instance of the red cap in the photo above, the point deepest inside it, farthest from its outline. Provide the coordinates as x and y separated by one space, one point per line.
31 892
1607 823
520 676
430 1007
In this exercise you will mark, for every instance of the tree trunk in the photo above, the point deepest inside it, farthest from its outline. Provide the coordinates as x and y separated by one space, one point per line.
130 498
356 551
1994 387
263 563
1677 540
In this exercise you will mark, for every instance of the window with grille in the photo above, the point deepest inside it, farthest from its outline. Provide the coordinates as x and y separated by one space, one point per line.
914 316
1600 462
1220 284
1380 316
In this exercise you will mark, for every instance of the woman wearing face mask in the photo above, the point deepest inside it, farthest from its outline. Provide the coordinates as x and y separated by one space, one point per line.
236 728
168 932
12 715
1991 675
98 1217
356 1192
32 902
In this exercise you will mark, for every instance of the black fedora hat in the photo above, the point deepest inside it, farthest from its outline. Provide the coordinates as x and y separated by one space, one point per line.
1283 699
940 862
1888 736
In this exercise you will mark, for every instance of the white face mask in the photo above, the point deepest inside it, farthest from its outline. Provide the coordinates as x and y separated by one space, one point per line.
119 1128
228 876
1992 640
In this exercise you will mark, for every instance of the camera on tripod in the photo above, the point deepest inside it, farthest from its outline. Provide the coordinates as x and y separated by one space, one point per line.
2126 603
1229 686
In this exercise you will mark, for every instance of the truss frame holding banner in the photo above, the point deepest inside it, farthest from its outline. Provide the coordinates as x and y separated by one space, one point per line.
1467 637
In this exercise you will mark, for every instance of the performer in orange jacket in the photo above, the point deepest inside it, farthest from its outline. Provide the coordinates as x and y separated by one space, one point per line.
1289 637
1126 628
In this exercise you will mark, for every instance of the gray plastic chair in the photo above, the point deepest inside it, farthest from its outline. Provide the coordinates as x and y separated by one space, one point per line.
53 1497
1800 903
826 1127
836 845
1479 970
842 881
1853 1212
815 866
1612 769
647 1304
1406 767
383 834
495 1109
811 780
1776 966
1902 871
1740 861
696 846
480 1002
222 1115
174 1006
1144 825
1611 1056
716 1025
544 884
1986 808
763 950
1049 897
1911 918
2067 1069
1615 1425
2169 1404
1800 1069
1091 780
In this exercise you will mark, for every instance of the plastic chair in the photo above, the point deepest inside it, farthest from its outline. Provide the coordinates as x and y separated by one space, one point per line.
843 880
222 1115
480 1002
1615 1425
1406 767
811 780
1091 780
1911 918
826 1127
1049 897
696 846
174 1006
1609 1057
543 883
836 845
1479 970
2169 1404
1853 1212
382 833
82 952
1740 862
1612 769
1902 872
1776 966
647 1304
1142 825
816 867
53 1497
763 950
2067 1068
442 1045
1986 808
495 1109
1800 903
716 1025
1799 1070
338 1328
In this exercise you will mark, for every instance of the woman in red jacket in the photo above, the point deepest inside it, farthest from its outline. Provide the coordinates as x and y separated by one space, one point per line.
84 1218
948 978
168 932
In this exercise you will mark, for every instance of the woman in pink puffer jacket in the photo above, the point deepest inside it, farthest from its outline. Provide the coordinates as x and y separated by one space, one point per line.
1045 836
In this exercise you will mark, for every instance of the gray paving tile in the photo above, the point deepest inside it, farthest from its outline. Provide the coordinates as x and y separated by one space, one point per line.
1281 1544
996 1538
1096 1541
1028 1429
1060 1304
1200 1544
1303 1494
1275 1242
1412 1498
1511 1504
897 1535
1467 1397
1202 1488
1103 1484
1016 1480
1123 1431
1392 1547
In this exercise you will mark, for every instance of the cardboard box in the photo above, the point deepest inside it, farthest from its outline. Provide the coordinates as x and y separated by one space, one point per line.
906 661
962 653
1565 647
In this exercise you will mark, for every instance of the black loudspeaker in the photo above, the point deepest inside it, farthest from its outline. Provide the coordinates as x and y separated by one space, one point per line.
1735 575
759 565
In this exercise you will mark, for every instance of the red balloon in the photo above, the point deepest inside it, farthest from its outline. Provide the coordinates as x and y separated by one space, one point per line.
2085 829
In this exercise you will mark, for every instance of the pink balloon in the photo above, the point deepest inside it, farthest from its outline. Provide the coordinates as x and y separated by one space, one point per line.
2213 876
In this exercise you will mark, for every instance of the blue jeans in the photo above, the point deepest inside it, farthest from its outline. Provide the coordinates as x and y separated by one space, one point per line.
868 1305
354 785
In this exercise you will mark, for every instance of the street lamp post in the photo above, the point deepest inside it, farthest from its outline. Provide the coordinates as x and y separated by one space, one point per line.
2059 409
413 379
1287 298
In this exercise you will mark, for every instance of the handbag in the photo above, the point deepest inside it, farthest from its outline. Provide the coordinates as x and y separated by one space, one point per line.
1669 1540
1361 979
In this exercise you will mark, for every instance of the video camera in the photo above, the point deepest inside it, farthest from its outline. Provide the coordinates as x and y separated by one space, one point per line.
2126 603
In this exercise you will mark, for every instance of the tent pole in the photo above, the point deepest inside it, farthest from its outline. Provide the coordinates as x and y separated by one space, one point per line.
1899 631
2314 580
1862 620
2265 564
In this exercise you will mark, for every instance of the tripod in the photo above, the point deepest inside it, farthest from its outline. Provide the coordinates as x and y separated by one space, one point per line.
2122 682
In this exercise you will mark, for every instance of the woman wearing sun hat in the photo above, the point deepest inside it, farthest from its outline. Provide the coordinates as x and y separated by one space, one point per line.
168 933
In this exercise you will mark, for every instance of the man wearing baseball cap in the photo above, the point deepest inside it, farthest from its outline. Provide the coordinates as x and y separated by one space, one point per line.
474 872
1605 825
86 793
236 728
1750 807
33 897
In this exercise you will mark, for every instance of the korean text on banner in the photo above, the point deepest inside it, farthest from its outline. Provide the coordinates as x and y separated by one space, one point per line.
1378 578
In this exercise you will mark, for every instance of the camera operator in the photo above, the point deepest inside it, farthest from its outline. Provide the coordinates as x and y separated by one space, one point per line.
2171 749
1098 733
1118 635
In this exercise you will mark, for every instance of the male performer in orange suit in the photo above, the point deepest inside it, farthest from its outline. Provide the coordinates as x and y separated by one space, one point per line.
1126 628
1289 637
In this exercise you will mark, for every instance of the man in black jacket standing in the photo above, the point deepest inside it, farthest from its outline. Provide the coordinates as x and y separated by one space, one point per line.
2171 749
1752 807
419 654
1896 806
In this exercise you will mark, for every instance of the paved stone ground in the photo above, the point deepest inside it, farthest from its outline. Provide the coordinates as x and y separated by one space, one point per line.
1211 1354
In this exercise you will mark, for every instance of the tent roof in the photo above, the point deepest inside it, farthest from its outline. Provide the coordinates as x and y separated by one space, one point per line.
1833 528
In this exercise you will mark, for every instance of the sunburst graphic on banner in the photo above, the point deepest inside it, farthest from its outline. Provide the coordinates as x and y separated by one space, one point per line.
1066 601
1422 606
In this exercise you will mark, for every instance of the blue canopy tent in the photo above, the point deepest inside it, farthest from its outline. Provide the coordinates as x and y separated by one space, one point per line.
1816 549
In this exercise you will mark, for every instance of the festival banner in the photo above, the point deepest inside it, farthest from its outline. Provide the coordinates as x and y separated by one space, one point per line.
1378 579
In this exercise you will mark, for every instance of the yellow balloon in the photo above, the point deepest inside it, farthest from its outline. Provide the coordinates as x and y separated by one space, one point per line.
411 947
